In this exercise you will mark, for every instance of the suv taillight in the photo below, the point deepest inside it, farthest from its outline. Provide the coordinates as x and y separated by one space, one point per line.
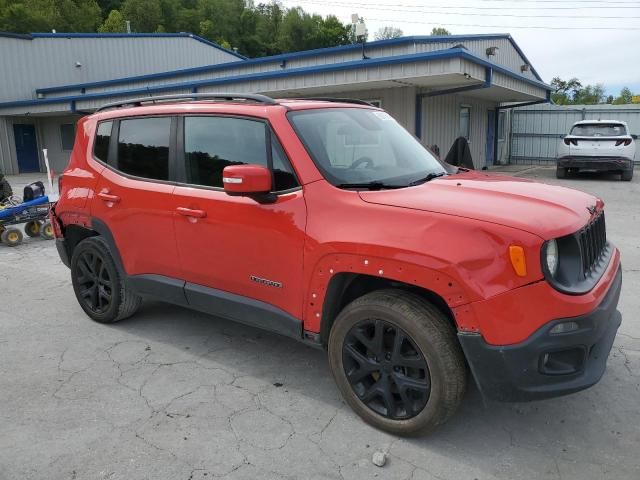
571 141
626 142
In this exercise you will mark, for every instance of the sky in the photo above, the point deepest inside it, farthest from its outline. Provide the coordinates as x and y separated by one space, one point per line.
597 41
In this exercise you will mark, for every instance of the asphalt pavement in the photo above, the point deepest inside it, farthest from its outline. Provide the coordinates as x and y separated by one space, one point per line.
175 394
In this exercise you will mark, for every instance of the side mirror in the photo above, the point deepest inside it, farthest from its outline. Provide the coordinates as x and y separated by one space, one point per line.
634 136
248 181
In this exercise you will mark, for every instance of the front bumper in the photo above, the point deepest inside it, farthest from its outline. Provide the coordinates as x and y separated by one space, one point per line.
596 163
547 365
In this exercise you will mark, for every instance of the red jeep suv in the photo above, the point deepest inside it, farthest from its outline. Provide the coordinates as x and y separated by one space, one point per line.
324 220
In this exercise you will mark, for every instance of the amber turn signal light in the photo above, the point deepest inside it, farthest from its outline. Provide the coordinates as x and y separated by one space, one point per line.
516 254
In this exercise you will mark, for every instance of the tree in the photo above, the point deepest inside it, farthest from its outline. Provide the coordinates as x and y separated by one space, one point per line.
25 16
625 98
114 23
564 91
589 95
440 31
265 29
108 5
144 15
386 33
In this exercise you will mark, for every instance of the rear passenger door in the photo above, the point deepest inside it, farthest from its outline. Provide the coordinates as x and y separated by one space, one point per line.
236 244
134 194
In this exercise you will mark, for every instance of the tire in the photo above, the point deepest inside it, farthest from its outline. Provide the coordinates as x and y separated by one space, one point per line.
99 286
561 172
46 231
11 237
428 336
626 175
33 228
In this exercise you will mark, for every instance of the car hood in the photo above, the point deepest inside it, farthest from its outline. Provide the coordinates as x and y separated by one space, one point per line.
544 210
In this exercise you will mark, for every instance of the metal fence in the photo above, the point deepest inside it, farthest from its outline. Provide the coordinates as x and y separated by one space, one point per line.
535 132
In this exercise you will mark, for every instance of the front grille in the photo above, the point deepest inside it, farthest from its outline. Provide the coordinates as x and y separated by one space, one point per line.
593 241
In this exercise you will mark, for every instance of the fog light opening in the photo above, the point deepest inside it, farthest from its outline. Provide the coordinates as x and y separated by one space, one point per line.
564 362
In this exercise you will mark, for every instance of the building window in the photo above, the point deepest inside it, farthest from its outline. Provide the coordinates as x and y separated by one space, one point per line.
101 144
143 147
465 121
67 135
502 132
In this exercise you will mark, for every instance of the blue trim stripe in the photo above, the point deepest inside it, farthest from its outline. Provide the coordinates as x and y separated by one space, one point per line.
282 57
354 64
135 35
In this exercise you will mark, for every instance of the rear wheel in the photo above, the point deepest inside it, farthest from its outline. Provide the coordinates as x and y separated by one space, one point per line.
32 228
11 237
98 285
561 172
627 175
397 362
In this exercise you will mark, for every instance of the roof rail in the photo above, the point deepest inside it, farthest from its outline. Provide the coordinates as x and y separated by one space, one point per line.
337 100
137 102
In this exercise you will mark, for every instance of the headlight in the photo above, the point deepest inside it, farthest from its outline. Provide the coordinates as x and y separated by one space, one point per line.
551 257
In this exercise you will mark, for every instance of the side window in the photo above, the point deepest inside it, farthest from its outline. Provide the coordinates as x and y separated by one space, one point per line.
143 147
283 175
101 143
465 121
67 135
213 143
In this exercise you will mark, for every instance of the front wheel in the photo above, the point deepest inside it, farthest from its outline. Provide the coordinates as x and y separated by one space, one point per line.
397 362
98 285
627 175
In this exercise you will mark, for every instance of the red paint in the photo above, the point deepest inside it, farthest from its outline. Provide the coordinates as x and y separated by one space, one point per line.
450 236
246 179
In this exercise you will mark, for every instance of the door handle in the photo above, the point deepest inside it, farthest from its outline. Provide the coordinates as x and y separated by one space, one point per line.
107 197
189 212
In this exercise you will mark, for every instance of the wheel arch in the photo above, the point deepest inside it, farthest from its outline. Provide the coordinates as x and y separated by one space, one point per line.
75 233
345 287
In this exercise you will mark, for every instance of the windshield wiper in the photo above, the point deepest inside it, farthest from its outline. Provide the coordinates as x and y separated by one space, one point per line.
426 179
376 185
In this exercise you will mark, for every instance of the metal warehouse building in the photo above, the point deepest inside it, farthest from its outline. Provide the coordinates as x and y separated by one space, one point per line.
439 88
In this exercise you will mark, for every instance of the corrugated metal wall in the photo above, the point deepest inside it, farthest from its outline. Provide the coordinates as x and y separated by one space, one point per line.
441 124
507 56
47 62
536 131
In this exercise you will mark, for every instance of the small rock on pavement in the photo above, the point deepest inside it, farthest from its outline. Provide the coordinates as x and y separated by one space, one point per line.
379 459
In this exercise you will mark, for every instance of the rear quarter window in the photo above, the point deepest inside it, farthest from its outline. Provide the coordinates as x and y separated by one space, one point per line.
101 143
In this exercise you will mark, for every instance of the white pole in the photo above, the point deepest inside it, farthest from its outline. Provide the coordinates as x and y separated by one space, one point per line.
52 197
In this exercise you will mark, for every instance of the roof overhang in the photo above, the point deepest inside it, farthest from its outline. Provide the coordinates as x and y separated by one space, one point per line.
429 71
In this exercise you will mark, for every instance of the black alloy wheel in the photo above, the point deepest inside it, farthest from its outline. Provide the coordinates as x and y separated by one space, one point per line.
94 282
386 370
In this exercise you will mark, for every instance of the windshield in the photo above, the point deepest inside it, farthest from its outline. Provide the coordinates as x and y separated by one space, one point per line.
356 147
599 130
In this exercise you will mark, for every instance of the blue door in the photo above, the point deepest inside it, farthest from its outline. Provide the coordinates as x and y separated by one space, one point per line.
26 148
491 137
